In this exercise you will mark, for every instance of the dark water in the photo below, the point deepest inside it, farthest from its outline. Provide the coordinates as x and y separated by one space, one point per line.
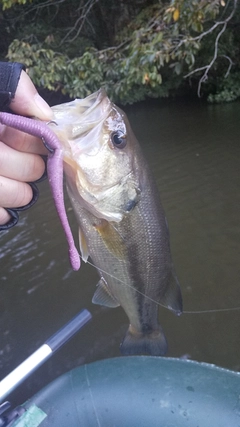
194 152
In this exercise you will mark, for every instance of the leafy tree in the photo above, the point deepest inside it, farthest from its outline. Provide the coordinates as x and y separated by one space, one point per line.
134 49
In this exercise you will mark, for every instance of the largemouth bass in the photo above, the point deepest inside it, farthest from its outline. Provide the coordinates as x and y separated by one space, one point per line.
122 225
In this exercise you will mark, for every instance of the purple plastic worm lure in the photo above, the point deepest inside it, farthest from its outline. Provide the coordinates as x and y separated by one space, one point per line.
54 169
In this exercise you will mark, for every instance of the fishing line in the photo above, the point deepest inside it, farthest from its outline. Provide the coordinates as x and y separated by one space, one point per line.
214 310
217 310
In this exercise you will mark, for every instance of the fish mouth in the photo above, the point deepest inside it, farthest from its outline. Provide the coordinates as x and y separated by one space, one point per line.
92 101
82 114
79 130
93 110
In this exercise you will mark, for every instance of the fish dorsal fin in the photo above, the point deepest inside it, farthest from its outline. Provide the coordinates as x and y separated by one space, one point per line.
83 245
103 296
172 298
112 239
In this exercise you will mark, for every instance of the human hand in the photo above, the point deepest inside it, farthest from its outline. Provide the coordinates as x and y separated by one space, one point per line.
20 160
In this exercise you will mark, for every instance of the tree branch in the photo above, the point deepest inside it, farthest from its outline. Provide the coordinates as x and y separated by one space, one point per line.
207 68
230 65
86 9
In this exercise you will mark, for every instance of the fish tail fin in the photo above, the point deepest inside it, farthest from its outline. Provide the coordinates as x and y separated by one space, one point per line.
153 343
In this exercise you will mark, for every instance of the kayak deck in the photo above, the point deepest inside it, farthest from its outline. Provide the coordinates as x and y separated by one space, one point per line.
140 391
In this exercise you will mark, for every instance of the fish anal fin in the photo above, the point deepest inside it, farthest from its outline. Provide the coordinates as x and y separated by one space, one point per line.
83 245
103 296
172 298
153 343
112 239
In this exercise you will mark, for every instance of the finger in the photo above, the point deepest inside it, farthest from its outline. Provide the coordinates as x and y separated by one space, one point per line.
20 166
14 194
28 102
4 216
21 141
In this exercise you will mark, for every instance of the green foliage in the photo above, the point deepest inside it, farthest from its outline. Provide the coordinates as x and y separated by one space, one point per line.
148 55
6 4
228 91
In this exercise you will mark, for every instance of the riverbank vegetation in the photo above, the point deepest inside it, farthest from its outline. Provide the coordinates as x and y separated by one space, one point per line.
136 50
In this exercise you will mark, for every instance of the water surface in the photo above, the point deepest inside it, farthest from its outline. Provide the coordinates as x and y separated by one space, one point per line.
194 152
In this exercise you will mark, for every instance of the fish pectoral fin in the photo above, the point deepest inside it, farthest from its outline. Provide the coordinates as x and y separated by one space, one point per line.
112 239
103 296
83 245
172 299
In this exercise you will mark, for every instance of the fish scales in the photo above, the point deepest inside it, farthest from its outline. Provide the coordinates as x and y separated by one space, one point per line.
122 225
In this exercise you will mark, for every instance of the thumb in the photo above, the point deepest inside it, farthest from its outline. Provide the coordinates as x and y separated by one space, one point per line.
28 102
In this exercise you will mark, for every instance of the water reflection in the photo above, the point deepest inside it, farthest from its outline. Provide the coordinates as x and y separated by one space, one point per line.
194 152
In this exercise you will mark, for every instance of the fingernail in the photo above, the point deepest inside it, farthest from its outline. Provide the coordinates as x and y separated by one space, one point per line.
46 112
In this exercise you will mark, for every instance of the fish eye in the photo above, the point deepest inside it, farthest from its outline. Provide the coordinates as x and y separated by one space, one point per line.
119 139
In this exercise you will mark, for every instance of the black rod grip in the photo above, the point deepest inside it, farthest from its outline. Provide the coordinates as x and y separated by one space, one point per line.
67 331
